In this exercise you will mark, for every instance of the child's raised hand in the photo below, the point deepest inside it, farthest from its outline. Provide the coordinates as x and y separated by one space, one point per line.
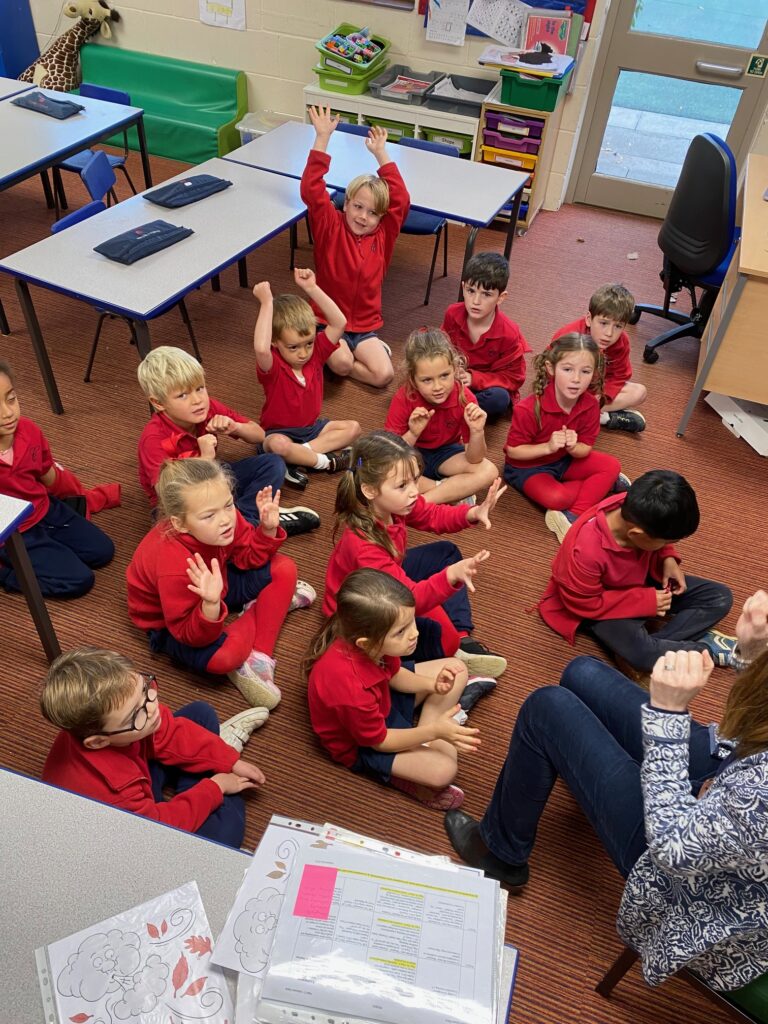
263 291
445 679
464 377
465 740
571 438
663 601
206 583
752 627
221 425
376 141
463 571
475 417
269 510
323 121
207 444
418 419
556 441
482 513
305 278
249 771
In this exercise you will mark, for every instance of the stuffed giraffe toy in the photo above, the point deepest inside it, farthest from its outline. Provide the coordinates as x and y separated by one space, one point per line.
59 67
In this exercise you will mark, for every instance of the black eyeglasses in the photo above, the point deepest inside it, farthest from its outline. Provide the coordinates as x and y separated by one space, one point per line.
141 714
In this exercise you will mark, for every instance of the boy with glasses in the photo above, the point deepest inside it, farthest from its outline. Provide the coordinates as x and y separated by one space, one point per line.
121 746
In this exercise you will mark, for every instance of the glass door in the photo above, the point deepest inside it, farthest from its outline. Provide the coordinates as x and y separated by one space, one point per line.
668 70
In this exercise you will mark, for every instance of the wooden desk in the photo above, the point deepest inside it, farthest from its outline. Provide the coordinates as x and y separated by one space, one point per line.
734 352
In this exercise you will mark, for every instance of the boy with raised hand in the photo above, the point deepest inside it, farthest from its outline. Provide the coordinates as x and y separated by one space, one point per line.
353 247
188 423
493 344
610 310
290 355
120 745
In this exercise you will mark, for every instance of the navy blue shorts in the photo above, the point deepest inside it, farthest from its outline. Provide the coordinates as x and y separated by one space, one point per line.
373 762
301 435
435 457
353 338
516 476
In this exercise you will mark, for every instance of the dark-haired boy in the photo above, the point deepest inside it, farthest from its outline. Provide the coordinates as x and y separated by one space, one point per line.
492 344
617 569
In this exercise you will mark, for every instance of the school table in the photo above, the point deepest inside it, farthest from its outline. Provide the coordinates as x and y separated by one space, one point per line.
13 512
227 226
69 862
33 142
12 87
461 190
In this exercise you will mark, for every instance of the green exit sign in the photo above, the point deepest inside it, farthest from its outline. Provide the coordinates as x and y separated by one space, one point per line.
758 65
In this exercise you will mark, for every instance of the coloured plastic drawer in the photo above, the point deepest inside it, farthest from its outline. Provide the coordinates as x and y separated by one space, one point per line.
506 124
352 85
395 129
387 78
521 161
462 142
510 142
533 93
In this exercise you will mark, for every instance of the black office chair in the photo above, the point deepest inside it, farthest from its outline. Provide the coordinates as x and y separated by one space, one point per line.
697 238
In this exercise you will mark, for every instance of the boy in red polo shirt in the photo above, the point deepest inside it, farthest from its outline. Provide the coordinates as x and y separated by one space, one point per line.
188 424
353 247
617 569
493 345
290 355
610 310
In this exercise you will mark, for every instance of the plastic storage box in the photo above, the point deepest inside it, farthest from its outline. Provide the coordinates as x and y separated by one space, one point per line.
506 158
352 85
510 142
481 87
253 126
532 93
344 65
462 142
414 98
395 129
512 126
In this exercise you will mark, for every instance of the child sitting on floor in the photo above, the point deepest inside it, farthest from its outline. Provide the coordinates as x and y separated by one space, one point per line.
610 310
438 415
376 502
549 454
618 568
289 364
363 693
492 344
353 247
202 552
120 745
188 423
63 546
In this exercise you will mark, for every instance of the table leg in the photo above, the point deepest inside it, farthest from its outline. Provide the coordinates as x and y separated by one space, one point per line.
47 189
143 344
4 325
38 344
30 588
468 250
144 154
242 272
513 218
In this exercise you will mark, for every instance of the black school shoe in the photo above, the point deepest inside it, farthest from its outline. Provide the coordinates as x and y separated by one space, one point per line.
478 659
296 477
340 460
464 834
298 520
476 688
625 419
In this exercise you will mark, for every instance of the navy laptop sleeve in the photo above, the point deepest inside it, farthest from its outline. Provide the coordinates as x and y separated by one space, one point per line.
190 190
60 109
141 241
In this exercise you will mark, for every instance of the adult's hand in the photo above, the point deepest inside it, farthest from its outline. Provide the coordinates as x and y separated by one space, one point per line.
677 677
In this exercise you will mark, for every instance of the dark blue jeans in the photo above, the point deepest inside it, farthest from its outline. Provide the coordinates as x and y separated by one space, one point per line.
226 825
587 731
251 475
419 564
493 401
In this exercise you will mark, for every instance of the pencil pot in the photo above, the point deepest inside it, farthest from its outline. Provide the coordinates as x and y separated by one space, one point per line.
352 56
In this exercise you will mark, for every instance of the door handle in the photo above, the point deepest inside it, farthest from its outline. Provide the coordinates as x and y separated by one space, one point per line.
723 70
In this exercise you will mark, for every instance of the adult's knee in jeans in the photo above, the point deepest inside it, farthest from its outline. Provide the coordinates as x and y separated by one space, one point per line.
581 668
543 706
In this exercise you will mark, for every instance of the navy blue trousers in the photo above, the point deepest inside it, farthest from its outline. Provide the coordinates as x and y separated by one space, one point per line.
419 564
251 475
586 730
493 401
63 548
227 824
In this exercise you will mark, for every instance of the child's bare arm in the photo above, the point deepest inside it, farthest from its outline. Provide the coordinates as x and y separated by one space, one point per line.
225 426
334 318
476 449
262 333
324 124
410 682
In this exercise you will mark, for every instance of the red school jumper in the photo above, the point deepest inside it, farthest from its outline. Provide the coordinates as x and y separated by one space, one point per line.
584 419
349 699
447 426
351 268
618 368
120 775
497 358
594 577
288 402
163 439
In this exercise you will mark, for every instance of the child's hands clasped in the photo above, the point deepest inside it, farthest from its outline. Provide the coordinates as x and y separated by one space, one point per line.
418 419
445 679
268 506
557 440
475 417
221 425
323 121
571 438
206 583
482 513
249 771
230 782
663 601
305 278
376 142
463 571
465 740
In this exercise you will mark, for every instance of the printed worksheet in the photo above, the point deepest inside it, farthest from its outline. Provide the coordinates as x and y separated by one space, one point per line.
223 13
447 21
504 20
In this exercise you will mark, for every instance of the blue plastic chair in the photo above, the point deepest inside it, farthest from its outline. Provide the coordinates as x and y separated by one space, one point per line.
97 206
99 178
76 163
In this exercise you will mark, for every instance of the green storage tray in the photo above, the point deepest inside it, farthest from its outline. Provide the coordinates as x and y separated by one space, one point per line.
345 66
462 142
395 129
542 94
352 85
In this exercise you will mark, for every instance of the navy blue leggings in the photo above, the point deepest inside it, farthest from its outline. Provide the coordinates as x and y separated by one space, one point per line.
251 475
494 401
227 824
419 564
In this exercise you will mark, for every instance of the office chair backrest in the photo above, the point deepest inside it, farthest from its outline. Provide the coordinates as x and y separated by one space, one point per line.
431 147
102 92
76 216
699 228
353 129
98 175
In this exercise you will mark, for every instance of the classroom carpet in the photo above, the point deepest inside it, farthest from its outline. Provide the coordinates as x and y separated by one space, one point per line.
563 924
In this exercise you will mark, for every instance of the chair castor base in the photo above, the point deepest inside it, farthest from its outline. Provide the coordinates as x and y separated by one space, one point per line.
650 355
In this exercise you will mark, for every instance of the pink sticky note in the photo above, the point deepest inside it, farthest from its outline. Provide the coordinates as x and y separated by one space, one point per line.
315 893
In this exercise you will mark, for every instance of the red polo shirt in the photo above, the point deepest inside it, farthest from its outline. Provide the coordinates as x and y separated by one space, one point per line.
349 699
618 368
497 358
288 402
31 460
163 439
584 418
447 426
